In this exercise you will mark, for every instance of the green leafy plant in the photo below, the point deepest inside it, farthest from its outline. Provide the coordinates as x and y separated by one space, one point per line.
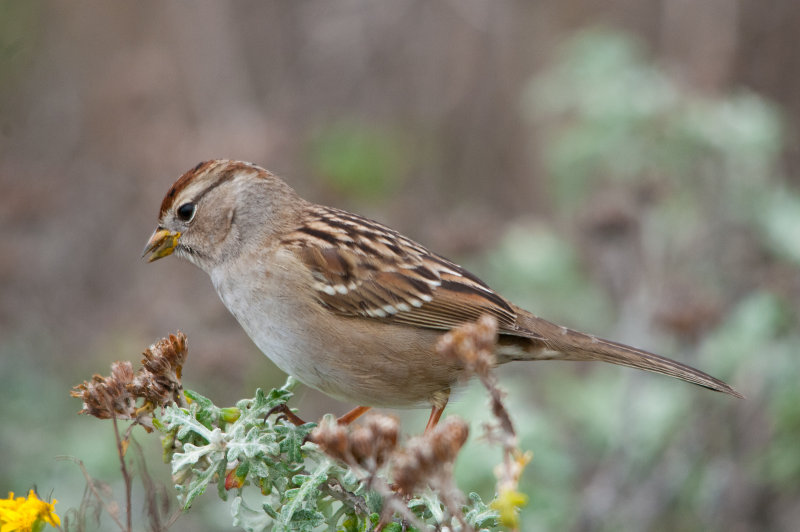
283 474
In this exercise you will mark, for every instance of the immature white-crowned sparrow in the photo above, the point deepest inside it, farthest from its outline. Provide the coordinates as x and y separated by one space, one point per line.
347 305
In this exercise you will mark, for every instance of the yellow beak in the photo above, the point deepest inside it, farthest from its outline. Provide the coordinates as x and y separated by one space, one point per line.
161 244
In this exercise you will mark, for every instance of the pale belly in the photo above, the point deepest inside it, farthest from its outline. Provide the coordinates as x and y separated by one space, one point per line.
370 364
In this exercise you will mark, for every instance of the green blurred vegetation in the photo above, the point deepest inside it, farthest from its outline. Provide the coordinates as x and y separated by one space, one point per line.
359 161
618 447
18 28
623 120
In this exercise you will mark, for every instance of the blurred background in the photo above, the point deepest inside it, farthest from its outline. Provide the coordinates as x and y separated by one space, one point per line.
629 168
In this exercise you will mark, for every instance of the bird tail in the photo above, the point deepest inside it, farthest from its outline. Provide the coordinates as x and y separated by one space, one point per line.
555 342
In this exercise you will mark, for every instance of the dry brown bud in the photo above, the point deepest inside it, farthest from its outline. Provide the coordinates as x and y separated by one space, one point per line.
122 372
407 472
157 382
368 445
384 431
166 357
331 438
107 397
448 437
361 444
148 387
428 455
472 344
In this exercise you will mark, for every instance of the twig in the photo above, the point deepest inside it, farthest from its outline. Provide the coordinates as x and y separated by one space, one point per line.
335 489
90 486
125 475
392 503
151 494
473 344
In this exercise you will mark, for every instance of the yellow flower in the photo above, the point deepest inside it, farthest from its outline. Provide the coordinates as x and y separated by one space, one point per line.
507 504
26 514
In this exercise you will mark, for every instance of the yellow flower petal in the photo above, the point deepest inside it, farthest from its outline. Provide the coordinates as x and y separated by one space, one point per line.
507 504
23 514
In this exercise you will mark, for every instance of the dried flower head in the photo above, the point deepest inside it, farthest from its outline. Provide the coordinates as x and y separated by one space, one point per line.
166 355
158 383
428 456
331 438
448 438
374 440
472 344
368 445
107 397
159 379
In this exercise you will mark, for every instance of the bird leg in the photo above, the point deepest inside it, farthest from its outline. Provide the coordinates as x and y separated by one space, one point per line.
436 413
352 415
439 402
296 420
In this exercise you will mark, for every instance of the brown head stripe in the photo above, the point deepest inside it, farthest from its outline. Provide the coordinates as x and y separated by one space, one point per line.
180 184
230 169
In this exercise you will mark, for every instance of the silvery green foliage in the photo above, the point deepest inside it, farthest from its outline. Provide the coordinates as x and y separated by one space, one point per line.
278 480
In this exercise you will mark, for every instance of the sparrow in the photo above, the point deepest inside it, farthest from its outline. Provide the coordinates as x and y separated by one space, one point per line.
347 305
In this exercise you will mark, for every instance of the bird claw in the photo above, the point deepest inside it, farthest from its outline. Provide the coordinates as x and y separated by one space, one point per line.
285 413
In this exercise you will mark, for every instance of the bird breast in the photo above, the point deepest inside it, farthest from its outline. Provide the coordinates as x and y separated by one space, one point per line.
367 362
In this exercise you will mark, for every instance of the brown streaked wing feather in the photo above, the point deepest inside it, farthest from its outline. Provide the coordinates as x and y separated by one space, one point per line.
362 268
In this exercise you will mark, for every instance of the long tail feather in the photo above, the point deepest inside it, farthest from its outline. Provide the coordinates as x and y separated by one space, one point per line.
562 343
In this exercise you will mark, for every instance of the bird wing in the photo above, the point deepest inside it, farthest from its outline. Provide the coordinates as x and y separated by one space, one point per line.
362 268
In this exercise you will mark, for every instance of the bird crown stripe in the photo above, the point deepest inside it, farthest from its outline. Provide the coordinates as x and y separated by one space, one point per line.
202 169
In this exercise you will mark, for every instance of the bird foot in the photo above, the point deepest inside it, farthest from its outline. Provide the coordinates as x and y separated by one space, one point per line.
287 413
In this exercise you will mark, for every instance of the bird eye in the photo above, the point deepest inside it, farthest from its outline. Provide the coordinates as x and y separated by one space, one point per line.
186 212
